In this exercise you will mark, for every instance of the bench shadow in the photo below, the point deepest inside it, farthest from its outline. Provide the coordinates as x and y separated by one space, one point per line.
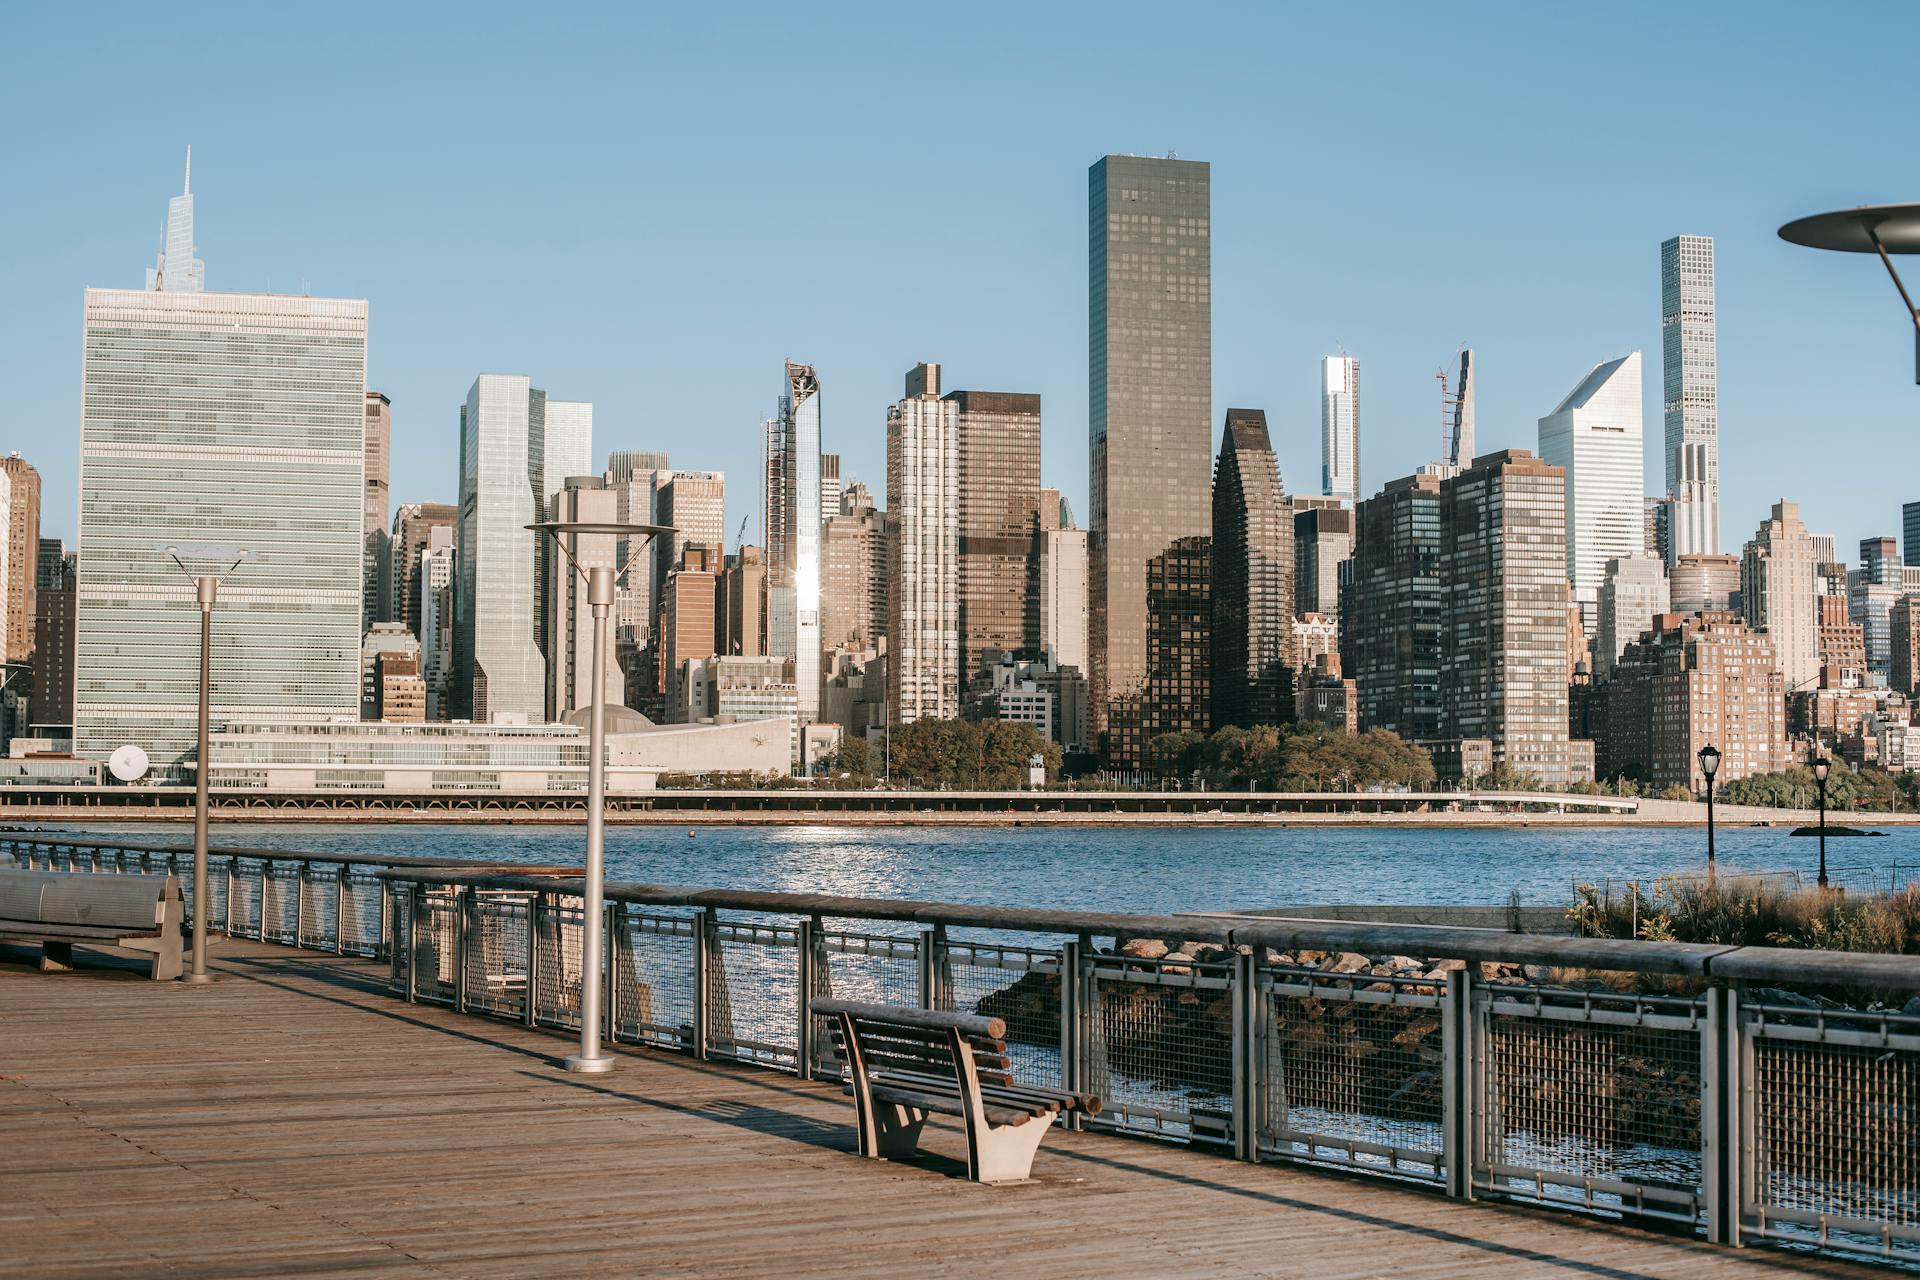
89 961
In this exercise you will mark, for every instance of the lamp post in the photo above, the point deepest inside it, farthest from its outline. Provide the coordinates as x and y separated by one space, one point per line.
1821 765
206 587
1709 765
601 580
1881 229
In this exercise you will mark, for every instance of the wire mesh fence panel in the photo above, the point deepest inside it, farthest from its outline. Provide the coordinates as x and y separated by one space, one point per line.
242 905
280 887
754 994
319 905
399 899
1590 1098
1160 1044
1019 985
653 988
1833 1141
496 952
436 944
1351 1068
557 994
877 967
358 928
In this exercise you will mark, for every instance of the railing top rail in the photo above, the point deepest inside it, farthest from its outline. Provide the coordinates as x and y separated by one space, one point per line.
240 851
1685 959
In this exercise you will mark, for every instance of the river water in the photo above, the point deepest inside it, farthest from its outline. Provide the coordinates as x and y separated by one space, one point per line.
1147 870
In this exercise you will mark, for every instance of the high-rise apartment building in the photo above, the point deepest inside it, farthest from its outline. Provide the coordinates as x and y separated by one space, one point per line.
1594 436
1840 642
1910 533
791 516
1688 682
1150 395
1063 585
18 571
1340 428
566 444
376 567
232 418
417 526
694 503
1176 697
1701 583
829 486
1872 590
923 552
1903 644
688 620
1392 637
1322 542
999 498
1504 627
433 578
1632 594
853 578
566 612
742 628
1252 592
1692 395
499 670
1777 592
385 639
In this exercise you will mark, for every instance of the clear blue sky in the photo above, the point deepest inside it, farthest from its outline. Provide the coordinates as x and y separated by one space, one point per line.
652 212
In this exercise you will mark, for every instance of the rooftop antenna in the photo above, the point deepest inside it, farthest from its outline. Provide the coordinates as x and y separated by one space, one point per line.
186 188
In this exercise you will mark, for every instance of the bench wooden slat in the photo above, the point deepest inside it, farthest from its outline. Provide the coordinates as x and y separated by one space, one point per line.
924 1019
1060 1099
950 1104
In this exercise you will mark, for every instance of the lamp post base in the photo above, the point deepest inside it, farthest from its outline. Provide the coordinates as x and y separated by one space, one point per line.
197 979
589 1066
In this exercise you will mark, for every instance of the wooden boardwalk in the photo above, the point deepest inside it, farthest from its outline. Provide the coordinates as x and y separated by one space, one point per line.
296 1120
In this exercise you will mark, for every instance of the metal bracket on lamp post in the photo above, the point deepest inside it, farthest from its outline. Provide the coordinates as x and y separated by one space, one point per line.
206 588
601 580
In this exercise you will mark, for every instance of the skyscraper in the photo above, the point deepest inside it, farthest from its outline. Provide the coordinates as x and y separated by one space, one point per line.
923 553
1633 593
233 418
1322 543
19 569
1777 592
792 517
177 270
829 486
999 499
1176 695
1594 436
1692 396
1150 394
1701 583
1398 605
499 670
376 572
1503 674
1460 406
54 580
1252 650
414 524
1872 590
1063 585
694 503
853 578
1340 428
1910 533
567 444
636 478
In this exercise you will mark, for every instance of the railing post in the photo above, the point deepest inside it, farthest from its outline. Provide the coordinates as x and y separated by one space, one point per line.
1249 1054
260 899
1458 1075
936 976
1096 1075
615 934
1717 1176
1070 1028
702 924
463 905
414 907
803 983
386 919
536 912
233 875
340 909
300 906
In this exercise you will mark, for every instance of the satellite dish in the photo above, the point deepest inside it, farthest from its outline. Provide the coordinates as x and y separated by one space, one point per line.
128 764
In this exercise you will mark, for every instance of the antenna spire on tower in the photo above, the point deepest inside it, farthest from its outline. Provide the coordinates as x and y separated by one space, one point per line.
186 188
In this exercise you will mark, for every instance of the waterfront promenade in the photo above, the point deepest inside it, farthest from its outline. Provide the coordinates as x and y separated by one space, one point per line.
296 1119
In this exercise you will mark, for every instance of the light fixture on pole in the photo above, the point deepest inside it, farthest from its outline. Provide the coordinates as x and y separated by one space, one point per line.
601 580
1821 765
1709 765
206 586
1883 229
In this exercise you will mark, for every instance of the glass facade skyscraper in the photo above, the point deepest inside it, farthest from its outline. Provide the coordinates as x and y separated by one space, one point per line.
1594 435
792 517
498 666
231 418
1340 428
1252 578
1692 396
1150 395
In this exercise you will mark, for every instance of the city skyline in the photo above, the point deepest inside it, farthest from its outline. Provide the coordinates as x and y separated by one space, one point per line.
1279 311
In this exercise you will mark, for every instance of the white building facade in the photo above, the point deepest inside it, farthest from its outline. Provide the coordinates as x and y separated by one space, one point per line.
923 557
1340 428
1595 435
1691 396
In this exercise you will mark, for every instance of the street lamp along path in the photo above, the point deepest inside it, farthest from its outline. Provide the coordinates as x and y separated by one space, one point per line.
601 580
1882 229
1709 765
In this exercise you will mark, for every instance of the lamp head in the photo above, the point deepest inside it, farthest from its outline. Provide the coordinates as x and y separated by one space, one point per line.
1820 768
1709 760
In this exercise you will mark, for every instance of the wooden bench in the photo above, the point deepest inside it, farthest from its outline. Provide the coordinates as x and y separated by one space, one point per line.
905 1064
58 909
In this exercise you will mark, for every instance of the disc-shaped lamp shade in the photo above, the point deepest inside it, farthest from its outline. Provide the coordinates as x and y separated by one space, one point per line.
1820 768
1897 226
1709 760
205 551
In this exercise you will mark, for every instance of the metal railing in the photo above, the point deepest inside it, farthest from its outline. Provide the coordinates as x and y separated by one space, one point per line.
1725 1089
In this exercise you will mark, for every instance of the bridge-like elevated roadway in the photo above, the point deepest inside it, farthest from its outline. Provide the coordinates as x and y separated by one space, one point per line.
296 1120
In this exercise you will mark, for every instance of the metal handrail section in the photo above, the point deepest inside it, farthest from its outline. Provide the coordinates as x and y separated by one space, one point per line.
1633 1080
